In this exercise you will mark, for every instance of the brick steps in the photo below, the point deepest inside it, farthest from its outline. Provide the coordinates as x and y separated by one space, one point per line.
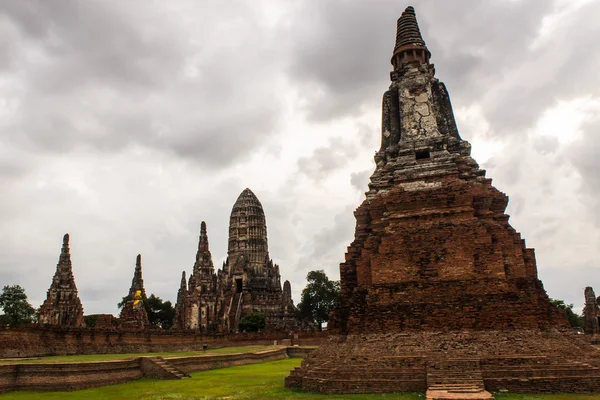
169 368
455 379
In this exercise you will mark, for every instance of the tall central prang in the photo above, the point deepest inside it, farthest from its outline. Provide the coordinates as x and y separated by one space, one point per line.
437 288
433 247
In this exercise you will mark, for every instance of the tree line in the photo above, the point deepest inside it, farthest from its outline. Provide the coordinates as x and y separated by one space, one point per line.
318 299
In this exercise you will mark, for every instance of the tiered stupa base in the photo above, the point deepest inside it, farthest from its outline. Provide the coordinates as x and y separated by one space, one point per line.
457 362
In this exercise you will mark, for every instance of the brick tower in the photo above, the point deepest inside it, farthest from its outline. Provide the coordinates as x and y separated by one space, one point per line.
436 280
133 315
62 306
249 281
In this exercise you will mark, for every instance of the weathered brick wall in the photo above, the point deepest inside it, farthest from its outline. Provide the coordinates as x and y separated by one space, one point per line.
202 363
515 360
540 374
69 376
441 258
37 342
73 376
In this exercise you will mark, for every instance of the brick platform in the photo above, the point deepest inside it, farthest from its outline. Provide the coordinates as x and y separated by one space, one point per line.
458 362
438 291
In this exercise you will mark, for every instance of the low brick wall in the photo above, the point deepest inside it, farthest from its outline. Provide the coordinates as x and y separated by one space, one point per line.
68 376
39 342
203 363
299 352
73 376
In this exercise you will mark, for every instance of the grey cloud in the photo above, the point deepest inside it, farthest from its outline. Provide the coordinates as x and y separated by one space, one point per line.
110 76
482 51
546 144
583 155
339 59
359 180
326 159
338 233
120 122
329 244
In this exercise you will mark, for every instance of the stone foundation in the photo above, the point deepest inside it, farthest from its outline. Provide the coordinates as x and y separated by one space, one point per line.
516 361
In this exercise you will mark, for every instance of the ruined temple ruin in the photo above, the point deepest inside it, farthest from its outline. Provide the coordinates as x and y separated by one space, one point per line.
196 306
438 290
248 282
62 306
133 314
591 312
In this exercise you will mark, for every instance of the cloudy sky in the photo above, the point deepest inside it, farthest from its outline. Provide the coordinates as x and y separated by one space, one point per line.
127 123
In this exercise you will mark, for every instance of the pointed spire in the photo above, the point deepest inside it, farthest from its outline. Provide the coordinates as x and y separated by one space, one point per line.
62 305
202 242
203 262
183 285
65 255
408 32
137 283
410 45
138 267
287 292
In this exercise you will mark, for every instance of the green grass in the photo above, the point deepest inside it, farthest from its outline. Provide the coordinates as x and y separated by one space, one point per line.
112 357
515 396
248 382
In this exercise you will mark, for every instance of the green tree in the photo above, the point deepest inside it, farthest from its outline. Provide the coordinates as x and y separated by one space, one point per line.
318 297
576 321
15 307
252 322
160 314
90 320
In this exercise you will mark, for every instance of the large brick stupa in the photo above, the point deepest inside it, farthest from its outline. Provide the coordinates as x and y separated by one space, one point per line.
438 290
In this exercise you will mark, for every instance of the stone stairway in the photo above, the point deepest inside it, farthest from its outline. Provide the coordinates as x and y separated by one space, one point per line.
455 379
166 369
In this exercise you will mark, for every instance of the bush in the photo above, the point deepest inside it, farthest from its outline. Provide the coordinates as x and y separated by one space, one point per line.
252 322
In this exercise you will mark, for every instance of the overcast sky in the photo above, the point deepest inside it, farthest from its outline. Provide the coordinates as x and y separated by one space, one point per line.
127 123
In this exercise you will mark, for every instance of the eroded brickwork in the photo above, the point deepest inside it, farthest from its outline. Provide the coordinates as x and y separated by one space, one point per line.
62 306
591 312
133 314
435 269
248 282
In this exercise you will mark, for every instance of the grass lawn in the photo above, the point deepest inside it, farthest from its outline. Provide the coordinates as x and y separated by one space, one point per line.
110 357
513 396
249 382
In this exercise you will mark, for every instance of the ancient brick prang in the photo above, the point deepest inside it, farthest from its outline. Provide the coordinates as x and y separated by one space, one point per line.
434 256
179 320
248 282
247 234
591 312
287 293
133 314
433 248
198 303
62 306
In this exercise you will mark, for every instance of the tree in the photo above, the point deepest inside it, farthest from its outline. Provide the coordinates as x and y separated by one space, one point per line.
15 307
576 321
160 313
252 322
318 297
90 320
